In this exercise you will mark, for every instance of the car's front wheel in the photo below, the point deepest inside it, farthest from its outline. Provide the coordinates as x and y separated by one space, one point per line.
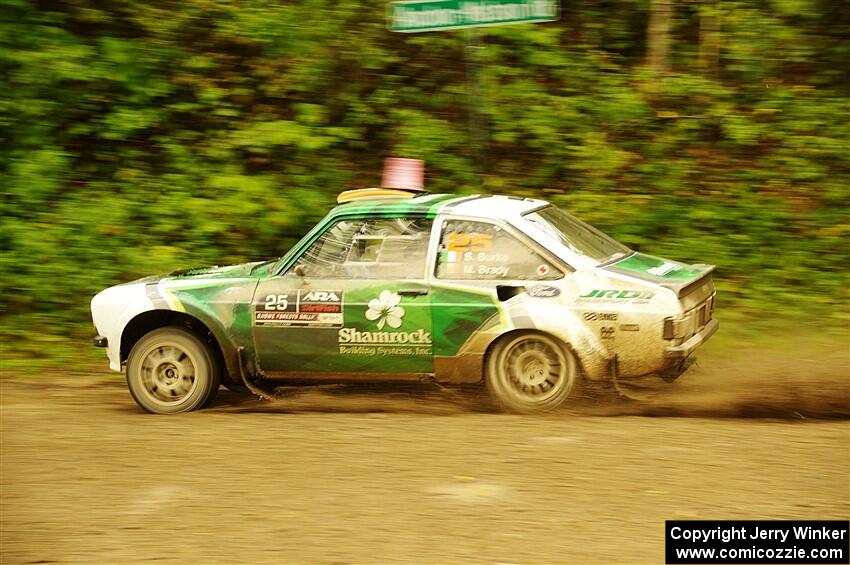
530 372
171 370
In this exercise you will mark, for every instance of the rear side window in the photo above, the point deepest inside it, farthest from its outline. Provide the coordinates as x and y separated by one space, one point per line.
376 248
578 236
472 250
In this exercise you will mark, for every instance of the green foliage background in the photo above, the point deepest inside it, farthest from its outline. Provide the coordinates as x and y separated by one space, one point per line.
142 137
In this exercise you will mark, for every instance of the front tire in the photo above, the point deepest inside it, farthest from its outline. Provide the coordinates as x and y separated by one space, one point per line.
171 370
530 372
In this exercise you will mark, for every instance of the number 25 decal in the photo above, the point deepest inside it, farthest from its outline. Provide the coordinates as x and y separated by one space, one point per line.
277 301
476 242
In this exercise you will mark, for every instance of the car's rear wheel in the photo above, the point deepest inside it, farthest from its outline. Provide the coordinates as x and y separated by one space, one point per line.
171 370
530 372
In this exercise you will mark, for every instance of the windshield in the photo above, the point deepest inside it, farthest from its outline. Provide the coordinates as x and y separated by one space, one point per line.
578 236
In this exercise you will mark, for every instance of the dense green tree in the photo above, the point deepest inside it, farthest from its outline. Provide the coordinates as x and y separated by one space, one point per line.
142 137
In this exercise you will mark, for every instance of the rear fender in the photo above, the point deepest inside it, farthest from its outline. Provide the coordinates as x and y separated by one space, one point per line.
526 313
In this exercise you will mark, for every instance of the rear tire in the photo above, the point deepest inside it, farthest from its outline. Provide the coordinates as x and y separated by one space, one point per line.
530 372
171 370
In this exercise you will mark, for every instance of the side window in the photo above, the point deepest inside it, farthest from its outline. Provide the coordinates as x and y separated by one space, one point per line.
376 248
484 251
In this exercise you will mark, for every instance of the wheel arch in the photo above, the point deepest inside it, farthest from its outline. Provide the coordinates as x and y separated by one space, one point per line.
145 322
519 388
509 334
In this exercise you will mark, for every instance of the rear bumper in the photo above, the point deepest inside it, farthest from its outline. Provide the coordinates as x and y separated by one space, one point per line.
677 359
683 351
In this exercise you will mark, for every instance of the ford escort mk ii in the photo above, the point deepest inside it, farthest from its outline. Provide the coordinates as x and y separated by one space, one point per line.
510 292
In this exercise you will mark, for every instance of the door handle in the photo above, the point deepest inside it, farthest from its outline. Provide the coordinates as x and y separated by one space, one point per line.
413 292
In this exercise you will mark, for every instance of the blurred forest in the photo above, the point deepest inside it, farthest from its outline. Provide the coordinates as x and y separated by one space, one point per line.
142 137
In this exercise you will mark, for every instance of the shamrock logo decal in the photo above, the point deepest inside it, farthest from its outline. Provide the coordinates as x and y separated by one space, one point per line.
386 310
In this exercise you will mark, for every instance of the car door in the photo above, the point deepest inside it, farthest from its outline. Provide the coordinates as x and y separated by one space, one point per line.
354 304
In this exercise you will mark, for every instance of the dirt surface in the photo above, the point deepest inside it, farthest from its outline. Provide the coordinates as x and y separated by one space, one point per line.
415 475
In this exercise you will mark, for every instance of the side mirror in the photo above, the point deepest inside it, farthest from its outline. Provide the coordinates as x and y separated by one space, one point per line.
299 270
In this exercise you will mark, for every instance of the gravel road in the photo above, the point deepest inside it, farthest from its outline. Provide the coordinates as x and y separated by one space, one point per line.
412 476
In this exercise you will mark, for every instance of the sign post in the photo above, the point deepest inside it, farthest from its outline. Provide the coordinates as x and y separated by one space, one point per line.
410 16
413 16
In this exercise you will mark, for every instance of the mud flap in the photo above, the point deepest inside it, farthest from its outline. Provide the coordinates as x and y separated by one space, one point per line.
647 387
256 389
614 368
678 369
624 391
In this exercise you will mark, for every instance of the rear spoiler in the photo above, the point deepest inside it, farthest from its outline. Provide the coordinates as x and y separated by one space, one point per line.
686 287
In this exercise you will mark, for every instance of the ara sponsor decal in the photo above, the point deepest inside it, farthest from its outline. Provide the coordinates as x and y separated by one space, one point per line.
307 308
543 292
600 316
387 313
604 296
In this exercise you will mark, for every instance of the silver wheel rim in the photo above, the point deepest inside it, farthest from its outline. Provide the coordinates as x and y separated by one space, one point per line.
168 374
535 369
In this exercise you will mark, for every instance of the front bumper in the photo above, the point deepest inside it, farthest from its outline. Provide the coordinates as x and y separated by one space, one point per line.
683 351
100 341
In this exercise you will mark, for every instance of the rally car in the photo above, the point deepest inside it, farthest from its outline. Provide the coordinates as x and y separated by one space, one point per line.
391 285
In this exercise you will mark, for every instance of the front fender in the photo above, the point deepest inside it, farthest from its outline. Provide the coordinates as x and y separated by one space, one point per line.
224 307
112 309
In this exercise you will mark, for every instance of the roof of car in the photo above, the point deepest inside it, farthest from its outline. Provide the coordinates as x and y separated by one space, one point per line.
476 205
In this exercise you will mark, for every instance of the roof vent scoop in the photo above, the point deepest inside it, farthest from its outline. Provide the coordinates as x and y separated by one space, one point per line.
403 178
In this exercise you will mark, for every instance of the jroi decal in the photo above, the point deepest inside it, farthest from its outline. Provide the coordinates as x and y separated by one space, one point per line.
616 296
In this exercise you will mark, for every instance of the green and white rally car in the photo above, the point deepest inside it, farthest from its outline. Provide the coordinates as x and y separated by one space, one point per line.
392 285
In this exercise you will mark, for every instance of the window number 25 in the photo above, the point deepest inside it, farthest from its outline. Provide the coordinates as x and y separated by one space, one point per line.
477 242
277 301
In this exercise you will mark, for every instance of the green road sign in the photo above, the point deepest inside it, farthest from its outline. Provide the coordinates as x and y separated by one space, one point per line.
430 15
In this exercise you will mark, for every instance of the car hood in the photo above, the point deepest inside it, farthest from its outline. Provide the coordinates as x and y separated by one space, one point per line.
215 272
242 270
